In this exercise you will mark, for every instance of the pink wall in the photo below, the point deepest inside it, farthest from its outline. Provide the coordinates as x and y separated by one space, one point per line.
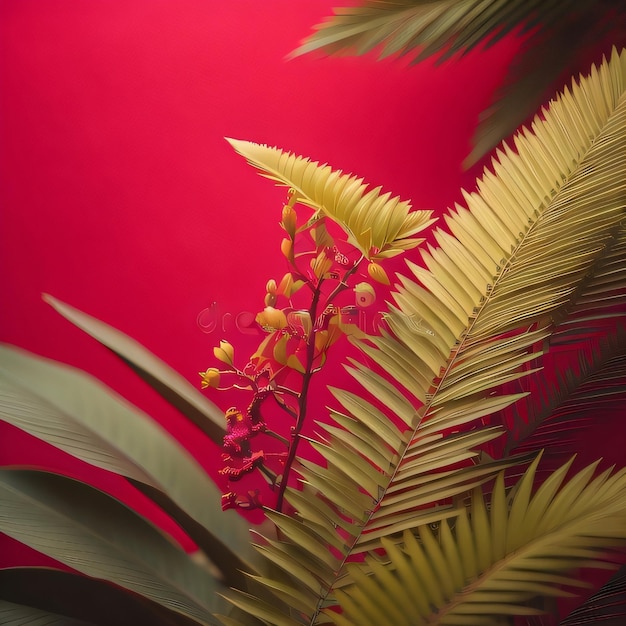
119 195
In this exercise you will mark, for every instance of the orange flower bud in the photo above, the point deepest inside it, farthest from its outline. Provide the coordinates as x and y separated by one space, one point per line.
270 286
289 221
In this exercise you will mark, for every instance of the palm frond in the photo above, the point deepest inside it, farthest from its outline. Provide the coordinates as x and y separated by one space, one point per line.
379 225
496 558
607 607
468 323
590 328
549 417
601 296
428 27
557 35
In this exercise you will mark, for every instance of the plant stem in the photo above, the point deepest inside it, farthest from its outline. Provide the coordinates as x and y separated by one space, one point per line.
306 381
302 401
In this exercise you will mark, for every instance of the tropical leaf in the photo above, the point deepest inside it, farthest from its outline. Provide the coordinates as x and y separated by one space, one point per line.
12 614
607 607
402 26
496 558
176 389
601 296
468 323
81 598
96 535
566 398
379 225
558 36
77 414
558 409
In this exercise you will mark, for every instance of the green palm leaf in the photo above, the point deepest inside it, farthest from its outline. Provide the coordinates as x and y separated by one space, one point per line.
561 36
77 414
497 558
96 535
465 325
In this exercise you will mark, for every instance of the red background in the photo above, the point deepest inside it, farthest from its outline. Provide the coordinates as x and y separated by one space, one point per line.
119 195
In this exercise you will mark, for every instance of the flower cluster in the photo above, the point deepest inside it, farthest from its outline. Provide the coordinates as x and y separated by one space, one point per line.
301 321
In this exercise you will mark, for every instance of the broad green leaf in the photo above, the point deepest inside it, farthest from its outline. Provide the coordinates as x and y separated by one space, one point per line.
74 412
98 536
83 598
19 615
176 389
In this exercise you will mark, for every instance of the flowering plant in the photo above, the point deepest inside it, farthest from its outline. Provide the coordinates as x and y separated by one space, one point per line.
303 317
441 496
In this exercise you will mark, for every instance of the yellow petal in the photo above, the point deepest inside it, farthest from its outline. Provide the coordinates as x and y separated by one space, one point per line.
286 247
285 286
289 221
280 350
301 319
377 273
321 264
321 236
271 318
225 352
210 378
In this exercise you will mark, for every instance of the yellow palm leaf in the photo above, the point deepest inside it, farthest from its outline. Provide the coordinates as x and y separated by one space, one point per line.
379 225
495 559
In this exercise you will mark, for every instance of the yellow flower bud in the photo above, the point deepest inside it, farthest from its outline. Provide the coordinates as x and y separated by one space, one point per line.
271 318
321 264
225 352
286 247
289 221
210 378
286 285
